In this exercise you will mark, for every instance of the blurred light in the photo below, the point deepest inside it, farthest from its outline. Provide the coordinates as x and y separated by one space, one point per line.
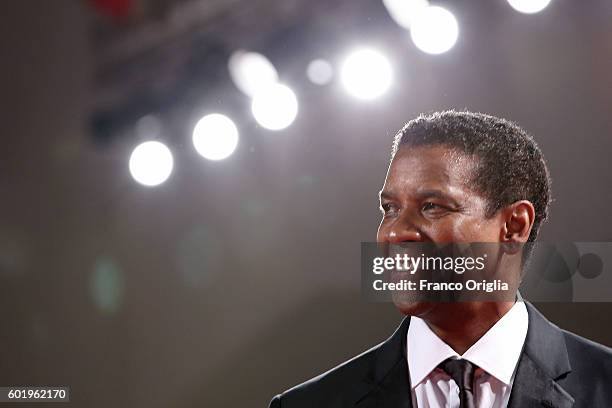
253 207
319 72
307 180
275 107
251 71
151 163
148 127
434 30
215 136
200 257
366 74
404 11
529 6
107 285
13 257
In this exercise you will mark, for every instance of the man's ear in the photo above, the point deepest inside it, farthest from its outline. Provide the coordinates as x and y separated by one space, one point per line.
519 218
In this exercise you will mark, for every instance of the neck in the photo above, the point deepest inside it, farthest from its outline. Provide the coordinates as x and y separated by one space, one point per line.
460 325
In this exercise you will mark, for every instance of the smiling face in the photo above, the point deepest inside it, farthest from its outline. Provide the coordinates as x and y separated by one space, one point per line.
428 196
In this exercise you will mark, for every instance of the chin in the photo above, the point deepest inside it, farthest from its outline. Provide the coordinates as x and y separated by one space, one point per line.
412 307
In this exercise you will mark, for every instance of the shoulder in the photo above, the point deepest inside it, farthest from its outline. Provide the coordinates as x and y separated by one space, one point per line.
591 371
350 381
332 387
585 354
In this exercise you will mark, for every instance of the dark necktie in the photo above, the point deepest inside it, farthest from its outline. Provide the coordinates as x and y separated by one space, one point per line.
462 372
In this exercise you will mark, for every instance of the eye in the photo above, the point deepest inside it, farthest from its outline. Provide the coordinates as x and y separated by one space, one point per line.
429 206
432 208
387 208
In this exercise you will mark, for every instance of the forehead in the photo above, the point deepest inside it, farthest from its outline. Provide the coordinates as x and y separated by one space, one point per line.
430 167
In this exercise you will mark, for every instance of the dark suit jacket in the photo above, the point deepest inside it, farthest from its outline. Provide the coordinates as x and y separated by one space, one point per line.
557 369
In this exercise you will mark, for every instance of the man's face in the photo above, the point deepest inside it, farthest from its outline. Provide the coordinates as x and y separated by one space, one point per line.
428 196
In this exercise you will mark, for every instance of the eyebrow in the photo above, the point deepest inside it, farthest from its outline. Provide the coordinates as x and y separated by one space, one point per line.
420 194
433 193
384 194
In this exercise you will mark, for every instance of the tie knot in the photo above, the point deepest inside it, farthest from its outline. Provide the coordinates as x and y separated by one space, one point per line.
461 371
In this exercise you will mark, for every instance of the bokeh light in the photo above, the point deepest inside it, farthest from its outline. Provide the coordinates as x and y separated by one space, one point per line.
215 136
529 6
148 127
319 72
107 285
200 257
275 107
366 74
403 12
151 163
13 256
434 30
251 71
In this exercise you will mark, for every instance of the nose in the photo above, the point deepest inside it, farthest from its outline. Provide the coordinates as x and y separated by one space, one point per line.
410 235
402 230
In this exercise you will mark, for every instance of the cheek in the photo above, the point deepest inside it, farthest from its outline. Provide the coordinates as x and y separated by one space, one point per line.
466 229
480 230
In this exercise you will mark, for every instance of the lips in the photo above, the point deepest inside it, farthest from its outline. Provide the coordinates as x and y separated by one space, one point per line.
397 276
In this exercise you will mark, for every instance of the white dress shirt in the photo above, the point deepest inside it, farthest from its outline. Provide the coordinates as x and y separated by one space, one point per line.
496 354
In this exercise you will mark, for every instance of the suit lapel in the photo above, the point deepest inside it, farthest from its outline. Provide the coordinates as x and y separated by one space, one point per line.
534 388
393 392
388 383
543 361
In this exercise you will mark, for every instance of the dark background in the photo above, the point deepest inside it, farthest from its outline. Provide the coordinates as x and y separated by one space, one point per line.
237 279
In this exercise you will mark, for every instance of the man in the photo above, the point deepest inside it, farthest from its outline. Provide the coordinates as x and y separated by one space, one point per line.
465 177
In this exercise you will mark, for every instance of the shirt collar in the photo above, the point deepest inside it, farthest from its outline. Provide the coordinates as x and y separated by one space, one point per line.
425 350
